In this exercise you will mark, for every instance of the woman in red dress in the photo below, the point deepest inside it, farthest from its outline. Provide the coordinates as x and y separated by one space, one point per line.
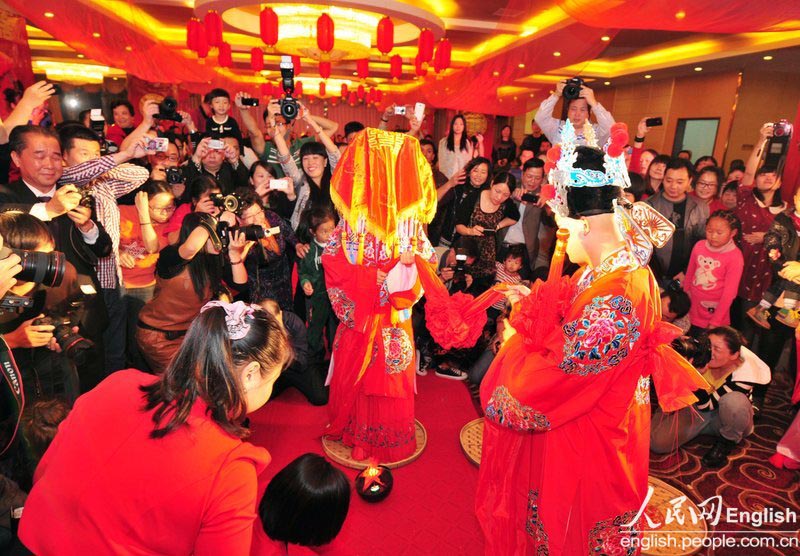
566 438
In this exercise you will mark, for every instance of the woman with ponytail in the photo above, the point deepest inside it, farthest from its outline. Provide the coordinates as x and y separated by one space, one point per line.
158 465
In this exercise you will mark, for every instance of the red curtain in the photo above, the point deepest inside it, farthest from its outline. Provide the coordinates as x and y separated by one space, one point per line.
15 57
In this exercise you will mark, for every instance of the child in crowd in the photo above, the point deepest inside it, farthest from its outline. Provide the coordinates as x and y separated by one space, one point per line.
782 244
507 272
714 271
220 124
319 314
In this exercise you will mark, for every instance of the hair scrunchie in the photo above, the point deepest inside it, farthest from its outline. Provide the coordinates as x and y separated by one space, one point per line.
235 317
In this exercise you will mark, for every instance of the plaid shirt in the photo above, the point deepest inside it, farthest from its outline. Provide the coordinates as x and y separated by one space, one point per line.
108 182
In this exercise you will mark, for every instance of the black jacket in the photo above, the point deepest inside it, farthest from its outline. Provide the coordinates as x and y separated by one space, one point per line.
68 238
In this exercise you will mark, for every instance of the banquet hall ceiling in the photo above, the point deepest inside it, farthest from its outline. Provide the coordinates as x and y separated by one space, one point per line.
502 50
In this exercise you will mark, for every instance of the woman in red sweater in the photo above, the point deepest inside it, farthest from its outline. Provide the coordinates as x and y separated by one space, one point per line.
157 465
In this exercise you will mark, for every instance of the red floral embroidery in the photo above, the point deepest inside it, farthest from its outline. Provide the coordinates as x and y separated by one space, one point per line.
534 526
504 409
397 350
343 306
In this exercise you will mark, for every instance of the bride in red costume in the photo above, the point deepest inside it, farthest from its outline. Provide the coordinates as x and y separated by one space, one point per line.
384 190
566 439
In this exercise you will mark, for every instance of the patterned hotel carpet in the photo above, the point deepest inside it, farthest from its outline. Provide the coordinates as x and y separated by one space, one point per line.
748 482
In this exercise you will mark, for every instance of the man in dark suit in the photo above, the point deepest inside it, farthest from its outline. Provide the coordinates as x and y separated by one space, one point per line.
37 152
528 227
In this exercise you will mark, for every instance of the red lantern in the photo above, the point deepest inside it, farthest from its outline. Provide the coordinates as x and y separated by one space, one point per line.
213 23
362 68
395 67
425 45
385 35
256 59
225 57
202 41
297 67
360 92
378 95
321 89
344 90
192 31
420 67
325 33
441 61
266 89
298 88
352 98
324 70
269 26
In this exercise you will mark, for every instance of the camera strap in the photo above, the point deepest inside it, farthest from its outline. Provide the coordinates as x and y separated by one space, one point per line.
12 397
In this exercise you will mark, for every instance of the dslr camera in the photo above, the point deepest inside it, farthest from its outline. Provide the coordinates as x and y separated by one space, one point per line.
68 315
572 89
289 108
174 175
168 110
41 268
252 232
232 203
778 145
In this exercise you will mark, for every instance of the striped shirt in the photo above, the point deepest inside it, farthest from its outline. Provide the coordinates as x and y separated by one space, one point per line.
502 276
107 181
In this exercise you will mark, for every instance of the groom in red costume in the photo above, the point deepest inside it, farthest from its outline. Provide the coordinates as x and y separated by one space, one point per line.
566 439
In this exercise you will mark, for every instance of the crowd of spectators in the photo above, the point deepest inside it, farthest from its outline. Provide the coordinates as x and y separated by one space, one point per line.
157 223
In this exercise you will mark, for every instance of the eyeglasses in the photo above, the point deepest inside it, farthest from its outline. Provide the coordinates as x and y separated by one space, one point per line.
706 184
165 156
165 210
251 217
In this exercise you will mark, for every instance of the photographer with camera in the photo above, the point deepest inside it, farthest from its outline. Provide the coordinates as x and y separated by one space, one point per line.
105 179
188 275
579 104
528 228
312 178
122 113
726 411
46 284
266 150
220 161
204 196
268 265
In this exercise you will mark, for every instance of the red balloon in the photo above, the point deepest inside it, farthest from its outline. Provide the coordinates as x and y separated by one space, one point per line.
344 90
225 57
321 89
385 35
425 45
362 68
213 23
325 33
325 70
256 59
269 26
395 67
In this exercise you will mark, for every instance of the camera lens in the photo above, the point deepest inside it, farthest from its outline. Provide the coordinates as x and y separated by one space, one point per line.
41 268
289 109
253 232
169 104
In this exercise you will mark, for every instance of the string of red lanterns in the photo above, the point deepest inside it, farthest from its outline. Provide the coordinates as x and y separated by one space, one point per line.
441 60
324 69
362 68
395 68
225 56
256 59
425 45
213 24
385 35
325 33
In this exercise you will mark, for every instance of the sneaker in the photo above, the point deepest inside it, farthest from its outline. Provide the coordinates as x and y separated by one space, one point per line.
789 317
451 372
760 316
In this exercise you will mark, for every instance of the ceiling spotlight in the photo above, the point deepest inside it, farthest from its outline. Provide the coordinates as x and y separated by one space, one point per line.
96 35
355 73
49 14
698 68
556 54
607 83
81 56
72 102
521 66
648 76
495 74
129 48
605 38
768 57
680 14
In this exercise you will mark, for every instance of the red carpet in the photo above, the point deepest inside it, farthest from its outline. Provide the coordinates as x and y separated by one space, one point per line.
430 510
